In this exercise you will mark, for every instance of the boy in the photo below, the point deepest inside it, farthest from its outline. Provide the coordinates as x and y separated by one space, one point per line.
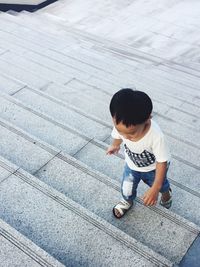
146 153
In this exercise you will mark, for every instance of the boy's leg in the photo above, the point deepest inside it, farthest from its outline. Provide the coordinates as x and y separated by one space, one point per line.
166 198
130 181
166 195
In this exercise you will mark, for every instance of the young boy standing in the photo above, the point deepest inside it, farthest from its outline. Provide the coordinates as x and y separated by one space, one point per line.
146 153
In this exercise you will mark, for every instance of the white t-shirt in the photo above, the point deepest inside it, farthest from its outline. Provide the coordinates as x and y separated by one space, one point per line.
142 155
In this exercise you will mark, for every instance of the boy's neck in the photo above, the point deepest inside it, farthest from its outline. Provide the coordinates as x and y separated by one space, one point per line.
142 132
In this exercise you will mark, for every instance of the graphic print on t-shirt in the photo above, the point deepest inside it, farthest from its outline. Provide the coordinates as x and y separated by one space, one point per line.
141 160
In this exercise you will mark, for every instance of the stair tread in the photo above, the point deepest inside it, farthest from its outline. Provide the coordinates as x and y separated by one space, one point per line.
26 253
43 105
60 81
59 210
163 67
106 166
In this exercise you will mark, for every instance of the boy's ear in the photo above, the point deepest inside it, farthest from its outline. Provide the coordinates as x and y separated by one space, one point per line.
149 118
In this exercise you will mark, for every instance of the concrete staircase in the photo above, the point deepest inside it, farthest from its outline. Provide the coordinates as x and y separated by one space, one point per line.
16 250
56 84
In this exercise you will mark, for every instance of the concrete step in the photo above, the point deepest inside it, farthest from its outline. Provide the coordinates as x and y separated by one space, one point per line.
2 51
156 94
10 24
179 149
192 64
25 47
20 151
62 167
100 40
101 111
62 26
116 45
103 197
176 110
185 102
29 34
137 80
54 132
22 75
43 103
9 85
144 73
157 28
187 193
6 168
17 250
80 144
87 57
38 69
172 72
177 71
77 229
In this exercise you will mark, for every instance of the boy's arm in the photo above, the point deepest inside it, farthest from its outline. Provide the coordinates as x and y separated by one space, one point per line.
161 152
161 168
115 147
151 195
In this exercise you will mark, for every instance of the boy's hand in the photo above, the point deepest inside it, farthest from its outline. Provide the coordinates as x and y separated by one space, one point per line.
150 197
112 150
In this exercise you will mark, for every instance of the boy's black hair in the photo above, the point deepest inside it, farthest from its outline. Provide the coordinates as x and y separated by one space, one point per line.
131 107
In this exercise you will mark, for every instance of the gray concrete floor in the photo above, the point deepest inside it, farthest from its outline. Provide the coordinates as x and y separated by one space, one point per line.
153 26
168 29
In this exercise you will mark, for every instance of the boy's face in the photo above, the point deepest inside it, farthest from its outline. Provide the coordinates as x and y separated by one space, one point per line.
130 132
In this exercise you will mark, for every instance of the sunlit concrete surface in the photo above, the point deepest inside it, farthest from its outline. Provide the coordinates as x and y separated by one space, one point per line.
168 29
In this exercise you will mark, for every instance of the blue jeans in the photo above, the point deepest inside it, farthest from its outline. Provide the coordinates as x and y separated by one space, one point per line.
131 179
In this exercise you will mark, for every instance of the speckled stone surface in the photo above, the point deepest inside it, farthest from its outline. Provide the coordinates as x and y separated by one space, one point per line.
73 235
84 102
34 34
63 114
178 131
63 69
19 44
110 165
158 28
7 27
177 147
22 152
3 174
22 74
161 101
192 120
2 51
41 128
94 106
141 223
37 69
16 250
8 252
9 85
44 56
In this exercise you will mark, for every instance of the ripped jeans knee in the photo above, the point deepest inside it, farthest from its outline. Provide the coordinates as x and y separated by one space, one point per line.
129 185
